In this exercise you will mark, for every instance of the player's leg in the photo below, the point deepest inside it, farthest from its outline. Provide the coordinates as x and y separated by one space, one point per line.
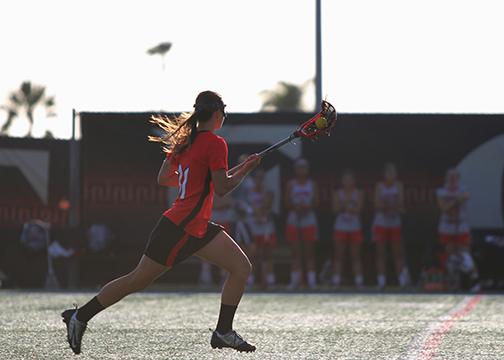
398 254
76 320
309 250
268 244
223 273
225 253
143 275
267 265
463 251
292 235
380 242
260 259
397 248
355 250
251 252
243 237
338 249
451 265
467 262
309 234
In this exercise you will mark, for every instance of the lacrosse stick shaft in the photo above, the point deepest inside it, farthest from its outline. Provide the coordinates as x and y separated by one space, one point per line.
277 145
267 150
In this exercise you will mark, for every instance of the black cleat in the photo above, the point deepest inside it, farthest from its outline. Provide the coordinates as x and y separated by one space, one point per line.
231 340
75 329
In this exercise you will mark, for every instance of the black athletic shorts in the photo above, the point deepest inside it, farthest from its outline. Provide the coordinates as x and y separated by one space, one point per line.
169 244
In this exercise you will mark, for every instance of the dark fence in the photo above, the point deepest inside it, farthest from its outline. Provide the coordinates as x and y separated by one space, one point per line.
119 168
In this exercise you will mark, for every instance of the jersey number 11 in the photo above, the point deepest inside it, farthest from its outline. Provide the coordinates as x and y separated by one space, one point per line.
182 181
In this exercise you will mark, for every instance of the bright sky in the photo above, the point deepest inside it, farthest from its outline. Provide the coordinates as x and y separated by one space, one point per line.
378 56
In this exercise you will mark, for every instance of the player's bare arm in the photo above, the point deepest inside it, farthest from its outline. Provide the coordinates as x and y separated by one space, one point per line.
225 183
233 170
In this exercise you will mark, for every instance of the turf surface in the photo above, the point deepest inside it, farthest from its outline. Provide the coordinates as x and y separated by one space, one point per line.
283 326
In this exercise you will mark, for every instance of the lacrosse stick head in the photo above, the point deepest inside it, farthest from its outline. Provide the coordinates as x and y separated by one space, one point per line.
320 124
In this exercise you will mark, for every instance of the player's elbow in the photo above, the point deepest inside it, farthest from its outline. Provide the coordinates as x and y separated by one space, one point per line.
223 184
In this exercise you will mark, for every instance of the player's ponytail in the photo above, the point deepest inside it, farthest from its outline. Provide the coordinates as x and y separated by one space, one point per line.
181 131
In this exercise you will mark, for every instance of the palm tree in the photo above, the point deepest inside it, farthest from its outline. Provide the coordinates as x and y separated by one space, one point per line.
26 99
160 49
285 97
11 115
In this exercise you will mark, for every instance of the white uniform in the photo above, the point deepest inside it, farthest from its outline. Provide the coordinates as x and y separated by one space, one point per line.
346 221
302 194
243 235
388 195
259 226
453 222
241 196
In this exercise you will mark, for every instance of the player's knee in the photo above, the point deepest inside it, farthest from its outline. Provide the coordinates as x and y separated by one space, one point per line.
243 270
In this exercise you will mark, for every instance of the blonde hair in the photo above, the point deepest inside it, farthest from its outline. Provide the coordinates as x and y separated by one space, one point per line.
180 131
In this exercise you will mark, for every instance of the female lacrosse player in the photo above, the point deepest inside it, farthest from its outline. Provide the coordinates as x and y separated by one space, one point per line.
262 227
452 201
389 205
301 201
454 233
347 204
196 161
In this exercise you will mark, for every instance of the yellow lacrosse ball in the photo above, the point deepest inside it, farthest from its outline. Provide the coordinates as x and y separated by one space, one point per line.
321 123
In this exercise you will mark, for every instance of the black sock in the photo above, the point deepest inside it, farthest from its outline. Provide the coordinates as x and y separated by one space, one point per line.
89 310
226 315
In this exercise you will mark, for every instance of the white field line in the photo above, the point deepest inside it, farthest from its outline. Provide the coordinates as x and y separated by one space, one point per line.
425 344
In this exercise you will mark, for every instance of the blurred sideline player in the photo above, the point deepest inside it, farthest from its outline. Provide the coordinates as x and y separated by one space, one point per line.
454 232
389 205
347 204
301 201
262 227
242 212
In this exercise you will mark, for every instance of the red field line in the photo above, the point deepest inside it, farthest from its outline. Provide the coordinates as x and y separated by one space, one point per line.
433 341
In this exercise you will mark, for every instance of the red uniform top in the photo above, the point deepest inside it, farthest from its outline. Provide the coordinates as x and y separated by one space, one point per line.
193 207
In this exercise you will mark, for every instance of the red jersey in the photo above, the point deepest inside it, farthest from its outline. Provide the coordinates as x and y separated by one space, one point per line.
193 207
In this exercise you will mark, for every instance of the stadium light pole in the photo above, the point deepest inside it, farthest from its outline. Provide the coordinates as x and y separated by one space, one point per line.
318 53
74 182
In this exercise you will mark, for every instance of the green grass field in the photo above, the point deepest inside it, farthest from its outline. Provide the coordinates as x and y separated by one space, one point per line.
283 326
